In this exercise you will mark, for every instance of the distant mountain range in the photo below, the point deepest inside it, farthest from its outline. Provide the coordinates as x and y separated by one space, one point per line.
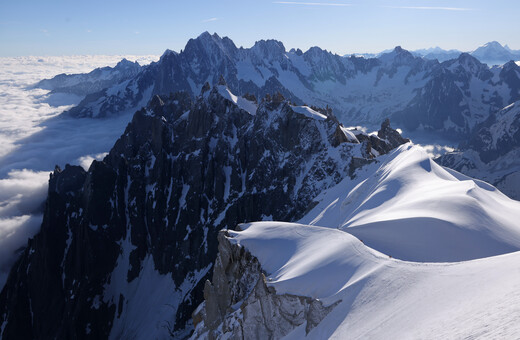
492 53
416 93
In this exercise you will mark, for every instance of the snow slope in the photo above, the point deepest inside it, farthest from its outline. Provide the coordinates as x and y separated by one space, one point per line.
381 297
411 250
414 209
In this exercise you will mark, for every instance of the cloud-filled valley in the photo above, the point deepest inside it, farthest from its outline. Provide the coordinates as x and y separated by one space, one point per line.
35 138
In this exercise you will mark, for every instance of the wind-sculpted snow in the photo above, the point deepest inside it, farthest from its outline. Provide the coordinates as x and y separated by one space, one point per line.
413 209
381 256
371 295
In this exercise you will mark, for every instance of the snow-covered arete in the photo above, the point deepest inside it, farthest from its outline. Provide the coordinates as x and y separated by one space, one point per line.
460 236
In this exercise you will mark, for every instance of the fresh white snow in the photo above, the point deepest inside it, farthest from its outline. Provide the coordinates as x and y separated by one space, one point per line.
241 102
413 251
413 209
308 112
384 298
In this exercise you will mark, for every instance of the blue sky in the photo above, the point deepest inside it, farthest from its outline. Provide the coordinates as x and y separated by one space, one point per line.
52 27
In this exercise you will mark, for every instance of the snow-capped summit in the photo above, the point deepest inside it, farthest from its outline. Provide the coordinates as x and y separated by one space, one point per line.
209 45
398 56
94 81
267 49
466 64
493 53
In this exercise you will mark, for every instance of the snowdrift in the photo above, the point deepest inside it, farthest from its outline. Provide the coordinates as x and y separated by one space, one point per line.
413 209
380 297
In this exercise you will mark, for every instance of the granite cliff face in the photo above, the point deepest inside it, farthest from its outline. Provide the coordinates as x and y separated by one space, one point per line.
238 304
125 248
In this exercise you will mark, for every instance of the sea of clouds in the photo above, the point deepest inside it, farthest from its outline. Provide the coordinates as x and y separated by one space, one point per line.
34 138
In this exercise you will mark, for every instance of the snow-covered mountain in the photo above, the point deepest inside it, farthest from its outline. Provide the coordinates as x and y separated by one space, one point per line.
493 53
415 93
371 261
125 247
437 53
492 153
86 83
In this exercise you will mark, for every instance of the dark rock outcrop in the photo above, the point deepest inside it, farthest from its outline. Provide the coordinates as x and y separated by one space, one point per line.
239 304
125 248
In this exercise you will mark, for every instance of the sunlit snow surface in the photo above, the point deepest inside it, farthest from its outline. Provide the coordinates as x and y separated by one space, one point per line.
411 208
34 139
407 208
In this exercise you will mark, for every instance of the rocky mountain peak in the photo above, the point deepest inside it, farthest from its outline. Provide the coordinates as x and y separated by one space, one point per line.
392 136
207 44
127 64
399 57
222 81
268 49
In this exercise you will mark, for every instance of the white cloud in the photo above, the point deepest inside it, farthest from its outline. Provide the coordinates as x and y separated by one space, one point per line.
86 160
14 232
35 138
312 3
432 8
210 20
22 193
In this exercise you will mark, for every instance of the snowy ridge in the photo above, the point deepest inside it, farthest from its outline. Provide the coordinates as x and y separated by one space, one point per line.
409 208
413 209
379 297
241 102
308 112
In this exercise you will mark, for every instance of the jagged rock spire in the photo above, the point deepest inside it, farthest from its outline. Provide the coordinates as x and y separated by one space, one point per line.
222 81
205 88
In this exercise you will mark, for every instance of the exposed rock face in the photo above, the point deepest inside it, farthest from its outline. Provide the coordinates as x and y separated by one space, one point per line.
125 248
452 96
239 304
393 137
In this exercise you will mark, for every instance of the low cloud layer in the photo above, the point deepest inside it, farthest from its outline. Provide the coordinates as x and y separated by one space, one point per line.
35 138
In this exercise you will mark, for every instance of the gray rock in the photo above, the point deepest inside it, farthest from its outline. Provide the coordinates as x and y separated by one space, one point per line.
239 303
